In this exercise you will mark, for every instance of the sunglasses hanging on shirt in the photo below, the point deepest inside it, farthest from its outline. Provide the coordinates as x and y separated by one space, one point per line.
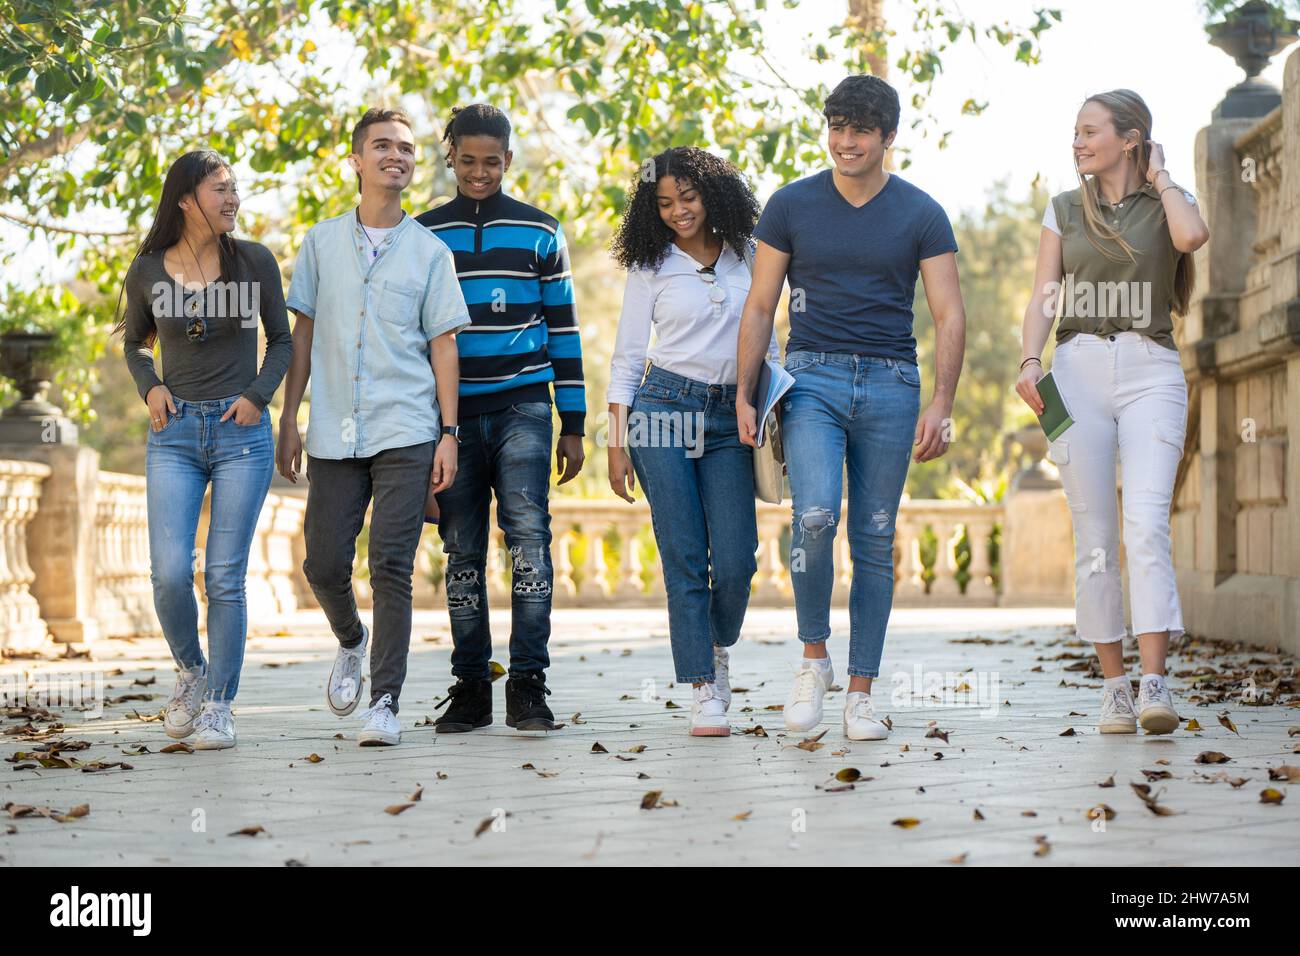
717 295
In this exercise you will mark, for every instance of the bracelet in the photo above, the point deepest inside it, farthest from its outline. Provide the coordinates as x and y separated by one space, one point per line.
1031 358
1167 188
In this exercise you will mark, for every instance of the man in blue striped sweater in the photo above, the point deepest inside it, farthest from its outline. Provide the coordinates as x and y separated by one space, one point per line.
522 342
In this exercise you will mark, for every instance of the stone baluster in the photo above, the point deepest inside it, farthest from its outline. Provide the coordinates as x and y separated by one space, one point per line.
945 587
979 589
21 626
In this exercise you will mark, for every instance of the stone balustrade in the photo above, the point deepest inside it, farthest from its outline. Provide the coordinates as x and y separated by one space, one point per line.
603 551
604 554
21 625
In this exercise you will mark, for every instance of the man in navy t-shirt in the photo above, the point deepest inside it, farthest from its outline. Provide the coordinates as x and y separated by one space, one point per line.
851 241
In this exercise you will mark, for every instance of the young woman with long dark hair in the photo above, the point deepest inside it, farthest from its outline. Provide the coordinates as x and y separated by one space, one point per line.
198 292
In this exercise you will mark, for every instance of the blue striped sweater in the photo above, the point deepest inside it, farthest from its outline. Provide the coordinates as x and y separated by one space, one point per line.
522 340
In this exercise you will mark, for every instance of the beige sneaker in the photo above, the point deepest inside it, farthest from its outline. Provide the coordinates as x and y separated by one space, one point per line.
1156 711
1118 715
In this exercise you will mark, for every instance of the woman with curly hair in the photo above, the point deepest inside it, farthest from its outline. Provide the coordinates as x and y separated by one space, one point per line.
685 240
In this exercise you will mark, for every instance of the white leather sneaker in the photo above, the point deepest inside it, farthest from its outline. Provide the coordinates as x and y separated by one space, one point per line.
183 706
382 728
722 675
1156 711
708 713
860 722
1118 715
803 708
346 681
215 728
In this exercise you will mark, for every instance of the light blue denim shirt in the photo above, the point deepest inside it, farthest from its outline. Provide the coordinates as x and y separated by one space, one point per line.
372 386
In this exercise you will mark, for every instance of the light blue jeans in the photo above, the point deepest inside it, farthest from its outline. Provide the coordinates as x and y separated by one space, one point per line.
194 449
862 410
699 481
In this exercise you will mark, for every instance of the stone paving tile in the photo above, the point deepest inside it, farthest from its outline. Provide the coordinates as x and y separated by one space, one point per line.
746 799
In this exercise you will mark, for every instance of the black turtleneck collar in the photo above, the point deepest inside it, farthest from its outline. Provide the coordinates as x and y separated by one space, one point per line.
481 207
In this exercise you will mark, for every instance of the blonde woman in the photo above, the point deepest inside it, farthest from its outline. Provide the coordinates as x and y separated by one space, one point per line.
1114 259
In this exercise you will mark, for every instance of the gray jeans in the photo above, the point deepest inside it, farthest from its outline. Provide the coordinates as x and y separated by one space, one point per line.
338 493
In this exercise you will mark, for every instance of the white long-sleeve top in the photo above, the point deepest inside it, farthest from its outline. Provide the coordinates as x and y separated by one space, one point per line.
695 337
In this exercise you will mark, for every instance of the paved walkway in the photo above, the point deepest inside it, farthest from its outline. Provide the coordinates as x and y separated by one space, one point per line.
575 796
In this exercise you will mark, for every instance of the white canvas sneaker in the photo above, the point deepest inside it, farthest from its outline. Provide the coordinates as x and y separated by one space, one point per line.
183 706
803 708
346 681
708 713
722 675
215 728
860 721
381 728
1118 715
1156 711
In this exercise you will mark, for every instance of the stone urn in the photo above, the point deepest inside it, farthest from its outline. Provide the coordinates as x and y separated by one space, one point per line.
1252 34
26 360
1038 473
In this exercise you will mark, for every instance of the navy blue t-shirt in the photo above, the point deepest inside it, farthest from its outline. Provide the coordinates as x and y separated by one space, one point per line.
856 268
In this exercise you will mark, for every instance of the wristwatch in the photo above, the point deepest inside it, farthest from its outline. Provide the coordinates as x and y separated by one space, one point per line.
453 431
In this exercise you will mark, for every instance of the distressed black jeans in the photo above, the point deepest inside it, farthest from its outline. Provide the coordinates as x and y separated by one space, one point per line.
506 453
338 493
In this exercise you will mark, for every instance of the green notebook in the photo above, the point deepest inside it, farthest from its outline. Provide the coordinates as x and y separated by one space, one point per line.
1056 417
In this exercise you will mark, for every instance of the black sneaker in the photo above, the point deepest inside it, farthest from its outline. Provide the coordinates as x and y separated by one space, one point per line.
471 707
526 703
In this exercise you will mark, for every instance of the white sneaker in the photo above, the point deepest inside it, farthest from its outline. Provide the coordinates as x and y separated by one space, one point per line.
346 681
215 728
183 705
1118 716
708 712
1156 711
722 675
803 708
382 728
860 722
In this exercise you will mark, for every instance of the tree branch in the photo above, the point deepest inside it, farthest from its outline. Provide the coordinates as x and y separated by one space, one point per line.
61 141
33 224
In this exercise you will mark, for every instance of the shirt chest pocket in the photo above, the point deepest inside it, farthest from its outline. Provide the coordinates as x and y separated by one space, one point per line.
399 303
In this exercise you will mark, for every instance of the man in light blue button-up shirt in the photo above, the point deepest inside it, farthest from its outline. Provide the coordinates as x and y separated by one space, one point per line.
378 306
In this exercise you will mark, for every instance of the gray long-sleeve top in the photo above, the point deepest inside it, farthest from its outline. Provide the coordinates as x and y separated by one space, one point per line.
224 362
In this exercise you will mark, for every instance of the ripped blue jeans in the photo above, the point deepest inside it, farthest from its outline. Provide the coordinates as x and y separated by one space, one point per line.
506 453
858 410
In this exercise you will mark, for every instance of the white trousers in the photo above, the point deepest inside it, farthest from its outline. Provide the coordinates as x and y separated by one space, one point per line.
1127 395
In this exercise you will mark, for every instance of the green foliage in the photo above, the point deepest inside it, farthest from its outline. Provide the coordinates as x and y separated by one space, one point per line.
77 344
100 96
996 259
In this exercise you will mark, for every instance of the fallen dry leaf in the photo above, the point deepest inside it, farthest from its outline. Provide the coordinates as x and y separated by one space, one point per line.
1212 756
811 744
248 831
397 808
1226 721
906 823
1269 795
180 747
